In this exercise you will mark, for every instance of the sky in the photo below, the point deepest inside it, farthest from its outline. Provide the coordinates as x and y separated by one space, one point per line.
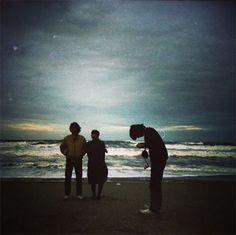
110 64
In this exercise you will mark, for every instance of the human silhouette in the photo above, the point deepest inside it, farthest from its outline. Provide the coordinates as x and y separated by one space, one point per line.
97 168
158 157
74 148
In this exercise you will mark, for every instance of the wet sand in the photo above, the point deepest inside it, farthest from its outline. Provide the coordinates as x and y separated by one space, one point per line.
189 207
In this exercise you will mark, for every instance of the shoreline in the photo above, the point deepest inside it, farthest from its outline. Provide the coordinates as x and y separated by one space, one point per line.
112 179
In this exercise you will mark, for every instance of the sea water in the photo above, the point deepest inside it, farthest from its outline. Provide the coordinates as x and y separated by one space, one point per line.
42 159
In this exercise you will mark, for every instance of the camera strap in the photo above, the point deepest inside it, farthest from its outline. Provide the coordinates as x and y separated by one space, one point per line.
146 162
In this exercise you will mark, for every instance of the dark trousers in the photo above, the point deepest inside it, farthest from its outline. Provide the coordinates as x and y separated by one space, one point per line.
77 164
155 185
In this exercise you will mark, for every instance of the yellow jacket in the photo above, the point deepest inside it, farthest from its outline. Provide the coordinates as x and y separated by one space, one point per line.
73 147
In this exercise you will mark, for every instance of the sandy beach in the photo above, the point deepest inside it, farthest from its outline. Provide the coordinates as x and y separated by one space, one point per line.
189 207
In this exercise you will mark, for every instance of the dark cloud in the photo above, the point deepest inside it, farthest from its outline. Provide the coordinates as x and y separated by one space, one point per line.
165 63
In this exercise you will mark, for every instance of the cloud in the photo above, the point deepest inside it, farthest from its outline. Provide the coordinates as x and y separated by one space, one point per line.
120 61
33 127
116 129
183 128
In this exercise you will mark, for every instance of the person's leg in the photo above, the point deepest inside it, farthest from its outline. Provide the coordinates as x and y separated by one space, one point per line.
79 173
155 196
100 187
68 174
93 188
153 193
159 196
156 187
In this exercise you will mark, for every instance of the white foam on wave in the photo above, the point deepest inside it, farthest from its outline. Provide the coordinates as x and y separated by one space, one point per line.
43 159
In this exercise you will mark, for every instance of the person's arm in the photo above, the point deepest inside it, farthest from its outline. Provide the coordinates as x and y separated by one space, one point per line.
84 147
141 145
105 147
63 147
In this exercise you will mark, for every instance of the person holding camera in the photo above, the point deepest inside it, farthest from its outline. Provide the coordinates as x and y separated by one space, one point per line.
158 156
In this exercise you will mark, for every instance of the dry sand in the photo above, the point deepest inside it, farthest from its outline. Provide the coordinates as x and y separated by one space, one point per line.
189 207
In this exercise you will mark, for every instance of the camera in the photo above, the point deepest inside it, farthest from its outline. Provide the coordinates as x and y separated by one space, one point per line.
146 165
144 154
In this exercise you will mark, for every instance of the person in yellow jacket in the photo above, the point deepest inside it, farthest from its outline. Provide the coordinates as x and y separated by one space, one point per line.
74 148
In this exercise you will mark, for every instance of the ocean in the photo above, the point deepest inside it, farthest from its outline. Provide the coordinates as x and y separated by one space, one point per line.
42 159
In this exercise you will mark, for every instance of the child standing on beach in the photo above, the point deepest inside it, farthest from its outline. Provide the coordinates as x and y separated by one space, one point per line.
97 168
74 148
